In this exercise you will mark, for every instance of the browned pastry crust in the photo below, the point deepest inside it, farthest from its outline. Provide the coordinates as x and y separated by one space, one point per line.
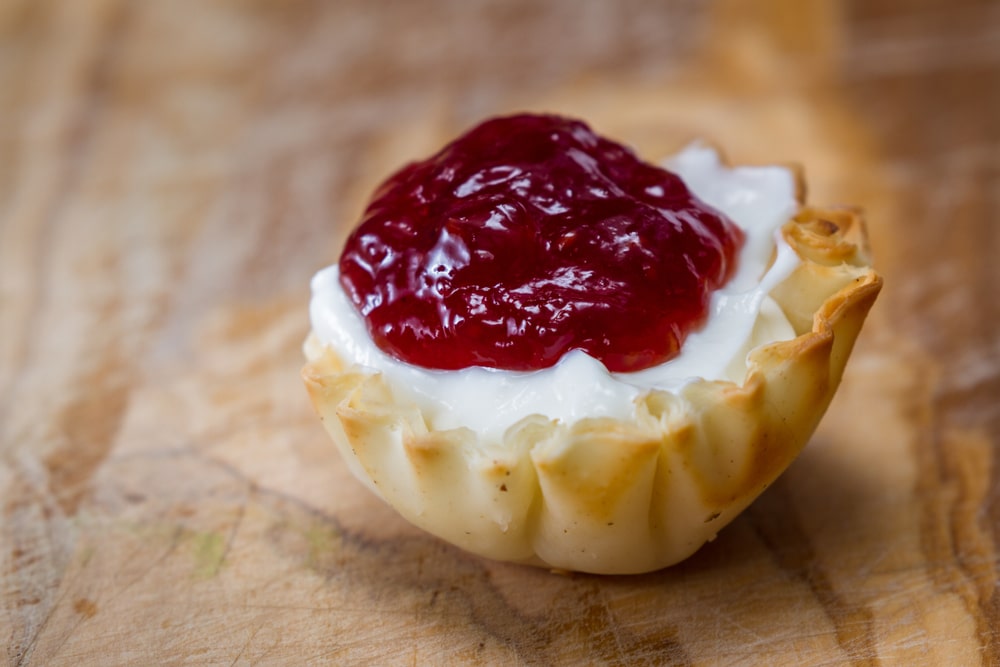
618 496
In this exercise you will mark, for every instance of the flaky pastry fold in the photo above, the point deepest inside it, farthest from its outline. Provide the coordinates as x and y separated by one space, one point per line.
617 496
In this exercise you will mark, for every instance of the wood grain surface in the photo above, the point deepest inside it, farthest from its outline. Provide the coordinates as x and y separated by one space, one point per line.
173 173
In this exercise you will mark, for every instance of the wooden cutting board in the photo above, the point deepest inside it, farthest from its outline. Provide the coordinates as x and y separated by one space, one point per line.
172 174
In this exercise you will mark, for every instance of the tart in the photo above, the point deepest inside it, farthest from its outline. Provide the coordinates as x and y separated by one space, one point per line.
542 350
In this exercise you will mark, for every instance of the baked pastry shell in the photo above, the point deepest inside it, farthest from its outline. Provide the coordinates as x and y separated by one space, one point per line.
616 496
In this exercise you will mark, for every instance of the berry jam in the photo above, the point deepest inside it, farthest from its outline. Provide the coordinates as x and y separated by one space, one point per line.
531 236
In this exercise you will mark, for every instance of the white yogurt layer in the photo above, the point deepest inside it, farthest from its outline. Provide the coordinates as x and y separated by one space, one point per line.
743 316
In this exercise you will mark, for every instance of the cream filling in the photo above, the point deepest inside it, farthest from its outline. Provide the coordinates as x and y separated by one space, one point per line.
488 401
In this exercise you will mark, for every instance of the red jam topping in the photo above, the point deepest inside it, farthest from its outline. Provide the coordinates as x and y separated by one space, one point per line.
531 236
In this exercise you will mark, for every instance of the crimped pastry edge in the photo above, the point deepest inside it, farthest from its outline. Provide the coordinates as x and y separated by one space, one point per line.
614 496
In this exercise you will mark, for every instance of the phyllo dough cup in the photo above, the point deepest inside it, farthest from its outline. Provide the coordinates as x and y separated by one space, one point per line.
617 496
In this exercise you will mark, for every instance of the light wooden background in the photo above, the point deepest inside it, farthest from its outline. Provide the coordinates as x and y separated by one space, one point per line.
172 173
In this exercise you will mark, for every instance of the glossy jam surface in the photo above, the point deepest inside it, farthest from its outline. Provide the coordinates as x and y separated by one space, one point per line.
531 236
